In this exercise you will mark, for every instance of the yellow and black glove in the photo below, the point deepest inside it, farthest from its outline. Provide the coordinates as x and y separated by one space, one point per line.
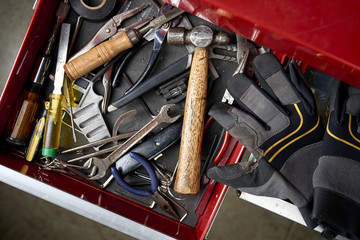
337 176
277 121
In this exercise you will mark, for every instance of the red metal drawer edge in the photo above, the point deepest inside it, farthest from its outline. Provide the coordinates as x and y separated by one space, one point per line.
323 35
122 206
203 225
100 197
72 203
34 39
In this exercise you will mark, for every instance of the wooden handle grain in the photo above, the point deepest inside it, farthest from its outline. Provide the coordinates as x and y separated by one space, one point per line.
97 56
187 179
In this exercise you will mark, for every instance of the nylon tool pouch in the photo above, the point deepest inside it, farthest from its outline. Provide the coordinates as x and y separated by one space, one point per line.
337 177
278 122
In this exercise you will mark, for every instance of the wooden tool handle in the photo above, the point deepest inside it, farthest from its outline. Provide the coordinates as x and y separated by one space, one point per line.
187 179
97 56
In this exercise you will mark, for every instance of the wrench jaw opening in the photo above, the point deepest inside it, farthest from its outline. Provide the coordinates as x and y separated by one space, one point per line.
164 112
99 167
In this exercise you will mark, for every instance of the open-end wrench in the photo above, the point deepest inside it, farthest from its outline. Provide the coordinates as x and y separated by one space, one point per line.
103 164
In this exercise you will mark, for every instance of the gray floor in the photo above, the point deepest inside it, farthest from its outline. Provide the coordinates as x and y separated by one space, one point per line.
23 216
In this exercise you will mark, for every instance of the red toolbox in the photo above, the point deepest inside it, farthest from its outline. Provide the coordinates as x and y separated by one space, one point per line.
307 33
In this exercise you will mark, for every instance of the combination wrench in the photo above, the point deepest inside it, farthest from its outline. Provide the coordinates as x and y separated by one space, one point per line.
103 164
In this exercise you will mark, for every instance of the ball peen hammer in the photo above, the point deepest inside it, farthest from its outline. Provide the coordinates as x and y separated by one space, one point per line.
187 179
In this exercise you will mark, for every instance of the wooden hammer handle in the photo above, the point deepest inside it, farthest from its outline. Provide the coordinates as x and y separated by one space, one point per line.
97 56
187 179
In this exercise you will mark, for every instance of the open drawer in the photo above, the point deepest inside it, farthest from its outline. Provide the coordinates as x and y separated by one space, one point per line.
113 208
119 212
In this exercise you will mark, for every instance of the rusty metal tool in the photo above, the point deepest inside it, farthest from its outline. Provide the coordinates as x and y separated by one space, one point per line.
107 50
246 51
186 23
108 30
102 165
188 174
106 81
227 48
150 148
104 141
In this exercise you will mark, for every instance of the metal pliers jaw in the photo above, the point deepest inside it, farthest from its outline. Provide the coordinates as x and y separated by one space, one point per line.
109 29
154 193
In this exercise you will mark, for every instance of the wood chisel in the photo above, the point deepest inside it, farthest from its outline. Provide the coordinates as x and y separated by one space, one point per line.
56 99
107 50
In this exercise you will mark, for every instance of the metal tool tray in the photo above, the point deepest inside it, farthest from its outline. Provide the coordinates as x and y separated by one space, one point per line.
112 206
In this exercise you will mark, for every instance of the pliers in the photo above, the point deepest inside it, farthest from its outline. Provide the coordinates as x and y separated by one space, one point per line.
159 36
109 29
155 194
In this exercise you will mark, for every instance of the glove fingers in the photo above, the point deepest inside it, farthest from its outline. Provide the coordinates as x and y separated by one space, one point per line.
273 79
262 180
251 98
237 175
258 178
345 100
241 125
257 103
302 90
353 101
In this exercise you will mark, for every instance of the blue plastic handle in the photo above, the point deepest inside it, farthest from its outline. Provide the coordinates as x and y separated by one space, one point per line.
149 169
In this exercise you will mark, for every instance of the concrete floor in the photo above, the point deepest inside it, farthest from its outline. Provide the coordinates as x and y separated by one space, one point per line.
23 216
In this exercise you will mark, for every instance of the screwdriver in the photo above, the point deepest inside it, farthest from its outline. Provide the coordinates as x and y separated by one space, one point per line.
56 99
32 150
107 50
23 119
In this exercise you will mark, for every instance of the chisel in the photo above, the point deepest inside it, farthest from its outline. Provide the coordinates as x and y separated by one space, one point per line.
55 104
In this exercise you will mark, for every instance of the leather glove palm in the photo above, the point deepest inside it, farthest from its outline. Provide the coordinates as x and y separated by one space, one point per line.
278 122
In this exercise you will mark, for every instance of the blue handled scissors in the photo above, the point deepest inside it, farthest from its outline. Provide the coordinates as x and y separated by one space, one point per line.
154 193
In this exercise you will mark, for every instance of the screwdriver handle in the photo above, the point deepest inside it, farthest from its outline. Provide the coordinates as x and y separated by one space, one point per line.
53 126
36 138
187 179
98 56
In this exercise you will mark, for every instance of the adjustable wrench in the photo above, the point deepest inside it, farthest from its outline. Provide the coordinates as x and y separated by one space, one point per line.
102 164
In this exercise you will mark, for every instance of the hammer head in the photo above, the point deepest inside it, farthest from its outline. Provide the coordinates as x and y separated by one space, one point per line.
199 36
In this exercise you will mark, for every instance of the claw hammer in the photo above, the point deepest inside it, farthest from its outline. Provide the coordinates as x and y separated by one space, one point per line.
187 179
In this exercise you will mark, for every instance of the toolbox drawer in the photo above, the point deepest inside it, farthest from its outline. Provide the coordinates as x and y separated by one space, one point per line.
258 25
100 205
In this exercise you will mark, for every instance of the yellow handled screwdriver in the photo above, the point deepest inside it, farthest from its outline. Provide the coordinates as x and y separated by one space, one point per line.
54 107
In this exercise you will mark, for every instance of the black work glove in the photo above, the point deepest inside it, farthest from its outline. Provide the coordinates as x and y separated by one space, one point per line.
277 122
337 177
